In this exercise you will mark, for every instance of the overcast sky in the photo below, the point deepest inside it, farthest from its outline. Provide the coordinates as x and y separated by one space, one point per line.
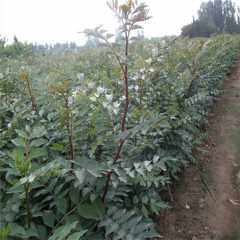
50 21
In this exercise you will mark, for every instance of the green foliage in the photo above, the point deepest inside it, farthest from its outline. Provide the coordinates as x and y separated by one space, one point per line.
15 49
4 232
65 232
45 193
123 224
199 28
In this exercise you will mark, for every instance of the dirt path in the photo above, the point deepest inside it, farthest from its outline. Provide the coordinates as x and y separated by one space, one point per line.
207 201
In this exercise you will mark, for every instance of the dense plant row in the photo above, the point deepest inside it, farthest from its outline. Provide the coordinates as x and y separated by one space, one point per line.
61 129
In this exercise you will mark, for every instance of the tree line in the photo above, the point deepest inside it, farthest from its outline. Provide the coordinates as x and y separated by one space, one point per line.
214 17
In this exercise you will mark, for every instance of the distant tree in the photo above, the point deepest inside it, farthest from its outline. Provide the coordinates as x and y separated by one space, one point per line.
92 42
199 28
2 42
206 12
214 16
230 21
140 35
218 16
15 49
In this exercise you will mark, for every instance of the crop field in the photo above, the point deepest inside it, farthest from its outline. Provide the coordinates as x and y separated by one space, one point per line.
92 140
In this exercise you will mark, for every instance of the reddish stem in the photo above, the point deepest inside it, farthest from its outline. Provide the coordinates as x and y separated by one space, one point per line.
124 115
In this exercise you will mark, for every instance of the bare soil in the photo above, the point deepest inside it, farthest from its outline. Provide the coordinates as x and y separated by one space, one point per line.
206 203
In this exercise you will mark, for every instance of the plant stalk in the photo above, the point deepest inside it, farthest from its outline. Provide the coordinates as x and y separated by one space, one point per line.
28 208
33 99
124 115
69 126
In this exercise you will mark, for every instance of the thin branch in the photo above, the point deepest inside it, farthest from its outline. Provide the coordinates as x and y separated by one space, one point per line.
114 53
33 100
124 117
63 218
126 15
69 126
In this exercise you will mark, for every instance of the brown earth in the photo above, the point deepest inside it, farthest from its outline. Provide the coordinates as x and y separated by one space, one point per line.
206 202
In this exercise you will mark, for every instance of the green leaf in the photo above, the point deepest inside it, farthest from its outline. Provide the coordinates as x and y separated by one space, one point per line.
49 218
19 142
145 211
93 210
74 196
38 132
157 206
17 230
43 171
58 147
42 232
4 232
21 134
93 167
81 175
32 231
17 154
38 142
62 205
38 152
62 232
77 235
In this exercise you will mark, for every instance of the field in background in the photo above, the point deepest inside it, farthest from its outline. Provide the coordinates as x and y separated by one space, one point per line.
60 128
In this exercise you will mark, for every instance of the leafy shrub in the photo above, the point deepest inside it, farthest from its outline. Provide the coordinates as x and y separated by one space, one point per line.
61 128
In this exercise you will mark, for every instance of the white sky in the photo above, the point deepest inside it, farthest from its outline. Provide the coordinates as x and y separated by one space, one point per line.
49 21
